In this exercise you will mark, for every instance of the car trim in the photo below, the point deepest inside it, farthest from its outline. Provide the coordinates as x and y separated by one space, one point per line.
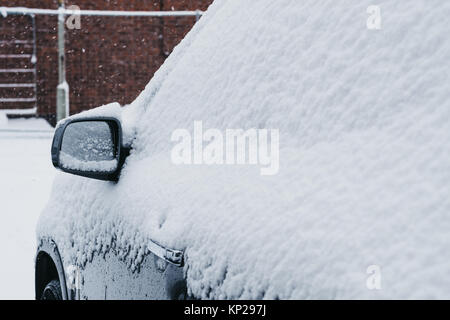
173 256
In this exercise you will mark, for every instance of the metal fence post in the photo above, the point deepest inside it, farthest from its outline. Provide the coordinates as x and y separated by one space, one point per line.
197 15
62 91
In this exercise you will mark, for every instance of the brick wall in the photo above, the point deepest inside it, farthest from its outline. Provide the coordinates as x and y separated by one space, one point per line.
108 59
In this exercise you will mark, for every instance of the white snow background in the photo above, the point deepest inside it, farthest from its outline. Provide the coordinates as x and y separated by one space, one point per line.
364 120
26 175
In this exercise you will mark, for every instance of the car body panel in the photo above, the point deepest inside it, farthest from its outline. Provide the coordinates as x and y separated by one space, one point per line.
107 277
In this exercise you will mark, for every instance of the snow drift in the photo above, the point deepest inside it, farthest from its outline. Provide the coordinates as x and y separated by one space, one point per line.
364 120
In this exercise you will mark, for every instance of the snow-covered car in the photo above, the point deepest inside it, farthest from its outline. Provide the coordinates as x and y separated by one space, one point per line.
358 207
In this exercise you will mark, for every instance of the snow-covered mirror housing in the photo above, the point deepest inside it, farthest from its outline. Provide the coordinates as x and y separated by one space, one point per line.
89 147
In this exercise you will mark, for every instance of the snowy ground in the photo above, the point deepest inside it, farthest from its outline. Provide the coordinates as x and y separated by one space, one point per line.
26 175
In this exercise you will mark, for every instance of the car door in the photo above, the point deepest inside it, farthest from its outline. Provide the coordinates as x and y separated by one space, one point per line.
108 277
92 147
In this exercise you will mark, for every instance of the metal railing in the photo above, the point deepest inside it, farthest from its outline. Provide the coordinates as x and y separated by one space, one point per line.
33 84
21 10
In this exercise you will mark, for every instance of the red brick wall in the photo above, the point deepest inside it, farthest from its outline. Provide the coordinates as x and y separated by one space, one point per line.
109 58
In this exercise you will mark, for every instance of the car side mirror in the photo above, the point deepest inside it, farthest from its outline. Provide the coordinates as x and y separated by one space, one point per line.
89 147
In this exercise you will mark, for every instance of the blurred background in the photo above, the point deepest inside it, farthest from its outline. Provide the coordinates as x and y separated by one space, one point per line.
108 59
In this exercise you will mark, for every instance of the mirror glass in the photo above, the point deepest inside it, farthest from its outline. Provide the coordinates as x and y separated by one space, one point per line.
88 146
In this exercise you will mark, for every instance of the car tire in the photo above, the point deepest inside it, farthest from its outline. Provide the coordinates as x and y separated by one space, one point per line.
52 291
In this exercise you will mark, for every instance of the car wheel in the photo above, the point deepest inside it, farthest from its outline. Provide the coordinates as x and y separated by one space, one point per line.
52 291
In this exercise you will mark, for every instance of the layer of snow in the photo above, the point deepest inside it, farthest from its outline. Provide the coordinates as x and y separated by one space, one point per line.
26 175
69 162
24 125
364 120
3 120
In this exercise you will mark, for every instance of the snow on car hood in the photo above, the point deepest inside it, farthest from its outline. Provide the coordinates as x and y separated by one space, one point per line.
364 120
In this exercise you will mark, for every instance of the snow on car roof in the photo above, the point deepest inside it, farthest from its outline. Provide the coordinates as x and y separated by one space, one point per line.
364 126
